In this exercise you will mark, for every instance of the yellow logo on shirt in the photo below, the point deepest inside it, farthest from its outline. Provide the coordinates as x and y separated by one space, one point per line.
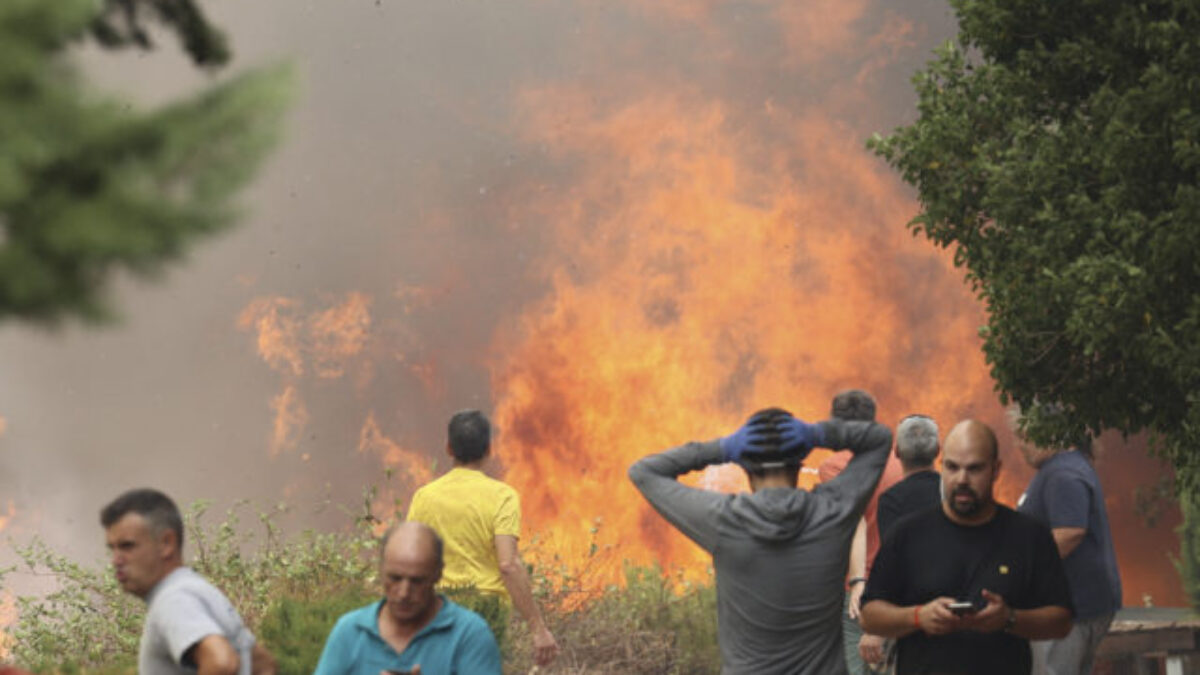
1004 569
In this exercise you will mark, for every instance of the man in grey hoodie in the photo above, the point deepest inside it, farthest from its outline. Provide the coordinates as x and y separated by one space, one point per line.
780 553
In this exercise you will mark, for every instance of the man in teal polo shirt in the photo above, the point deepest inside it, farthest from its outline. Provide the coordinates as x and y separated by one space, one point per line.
412 629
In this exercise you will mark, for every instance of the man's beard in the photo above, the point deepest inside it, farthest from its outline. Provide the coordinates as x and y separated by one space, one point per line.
965 509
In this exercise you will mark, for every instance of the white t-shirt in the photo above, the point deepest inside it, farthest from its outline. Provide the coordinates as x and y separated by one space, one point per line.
183 609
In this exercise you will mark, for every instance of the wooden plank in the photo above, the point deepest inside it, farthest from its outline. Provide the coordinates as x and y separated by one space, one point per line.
1140 642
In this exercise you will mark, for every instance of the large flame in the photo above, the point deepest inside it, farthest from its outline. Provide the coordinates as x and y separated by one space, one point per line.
714 238
706 272
294 342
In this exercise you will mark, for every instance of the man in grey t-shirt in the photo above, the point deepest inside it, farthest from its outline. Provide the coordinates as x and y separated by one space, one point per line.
190 625
780 553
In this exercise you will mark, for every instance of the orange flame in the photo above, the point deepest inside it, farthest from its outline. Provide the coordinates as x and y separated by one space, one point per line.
708 274
293 343
338 334
415 468
291 416
278 333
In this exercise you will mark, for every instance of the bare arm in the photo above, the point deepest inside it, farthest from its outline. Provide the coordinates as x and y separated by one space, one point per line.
882 618
1067 539
858 568
213 655
516 580
261 661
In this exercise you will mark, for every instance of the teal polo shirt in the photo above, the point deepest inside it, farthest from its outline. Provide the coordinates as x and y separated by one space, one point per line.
456 642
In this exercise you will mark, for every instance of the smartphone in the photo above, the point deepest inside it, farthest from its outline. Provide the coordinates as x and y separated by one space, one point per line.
962 608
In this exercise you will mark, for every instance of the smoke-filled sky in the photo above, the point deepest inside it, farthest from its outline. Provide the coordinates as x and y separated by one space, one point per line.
614 225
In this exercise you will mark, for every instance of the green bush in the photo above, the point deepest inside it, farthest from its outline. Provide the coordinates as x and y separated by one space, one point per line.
493 608
294 629
291 591
87 622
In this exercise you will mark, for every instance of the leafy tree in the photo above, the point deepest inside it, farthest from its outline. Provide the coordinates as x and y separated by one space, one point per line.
89 186
122 23
1057 151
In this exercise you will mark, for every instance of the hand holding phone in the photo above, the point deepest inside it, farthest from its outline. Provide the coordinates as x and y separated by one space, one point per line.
962 607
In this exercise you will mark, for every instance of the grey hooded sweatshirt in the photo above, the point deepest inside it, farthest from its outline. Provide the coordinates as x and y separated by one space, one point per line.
780 554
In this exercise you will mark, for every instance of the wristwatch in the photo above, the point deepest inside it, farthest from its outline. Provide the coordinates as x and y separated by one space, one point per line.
856 580
1011 621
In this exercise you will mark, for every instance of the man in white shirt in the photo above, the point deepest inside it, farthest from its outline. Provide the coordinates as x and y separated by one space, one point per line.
191 627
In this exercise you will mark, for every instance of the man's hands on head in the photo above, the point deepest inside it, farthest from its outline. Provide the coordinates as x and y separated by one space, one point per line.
750 436
800 436
773 429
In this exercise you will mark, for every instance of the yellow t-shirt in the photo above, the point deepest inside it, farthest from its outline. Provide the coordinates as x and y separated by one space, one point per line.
468 509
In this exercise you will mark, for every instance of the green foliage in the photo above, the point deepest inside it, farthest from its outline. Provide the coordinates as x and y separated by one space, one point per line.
295 627
1188 562
1057 151
656 623
121 23
493 608
87 621
290 591
89 186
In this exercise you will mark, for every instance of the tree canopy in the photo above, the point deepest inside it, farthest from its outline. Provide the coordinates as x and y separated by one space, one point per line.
1057 151
88 184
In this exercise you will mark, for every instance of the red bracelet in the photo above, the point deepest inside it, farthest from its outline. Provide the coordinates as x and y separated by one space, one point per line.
917 617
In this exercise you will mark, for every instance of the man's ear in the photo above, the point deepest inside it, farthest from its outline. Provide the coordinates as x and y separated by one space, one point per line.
169 542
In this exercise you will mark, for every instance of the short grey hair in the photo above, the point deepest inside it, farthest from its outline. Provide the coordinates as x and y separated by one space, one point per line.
917 440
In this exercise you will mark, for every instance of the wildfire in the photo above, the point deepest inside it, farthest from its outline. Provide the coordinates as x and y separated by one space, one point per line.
707 264
415 468
293 343
713 238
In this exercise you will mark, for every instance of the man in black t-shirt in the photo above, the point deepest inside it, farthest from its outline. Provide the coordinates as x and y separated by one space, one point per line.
1001 565
916 447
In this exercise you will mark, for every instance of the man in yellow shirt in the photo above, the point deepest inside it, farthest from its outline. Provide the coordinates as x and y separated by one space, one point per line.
479 519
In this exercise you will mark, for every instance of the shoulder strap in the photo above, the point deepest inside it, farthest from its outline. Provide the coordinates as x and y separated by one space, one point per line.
993 548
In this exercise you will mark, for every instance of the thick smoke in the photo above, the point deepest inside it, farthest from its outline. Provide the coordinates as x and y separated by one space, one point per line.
528 207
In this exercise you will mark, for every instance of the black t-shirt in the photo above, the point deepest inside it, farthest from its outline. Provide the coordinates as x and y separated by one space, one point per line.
928 556
917 492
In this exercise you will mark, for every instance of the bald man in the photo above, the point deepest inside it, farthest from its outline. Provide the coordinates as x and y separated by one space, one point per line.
966 585
412 629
